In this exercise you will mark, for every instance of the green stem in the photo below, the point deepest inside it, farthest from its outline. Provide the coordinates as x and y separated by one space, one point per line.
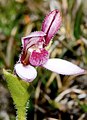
21 113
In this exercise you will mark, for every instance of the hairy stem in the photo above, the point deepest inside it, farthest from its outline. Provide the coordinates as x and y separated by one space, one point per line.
21 113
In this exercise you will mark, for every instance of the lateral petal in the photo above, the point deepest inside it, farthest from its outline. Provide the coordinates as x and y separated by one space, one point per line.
27 73
62 67
31 36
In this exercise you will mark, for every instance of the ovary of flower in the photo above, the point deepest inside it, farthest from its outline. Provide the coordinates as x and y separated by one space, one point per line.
35 54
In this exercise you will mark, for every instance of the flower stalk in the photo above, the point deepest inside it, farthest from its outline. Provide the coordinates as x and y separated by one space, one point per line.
21 113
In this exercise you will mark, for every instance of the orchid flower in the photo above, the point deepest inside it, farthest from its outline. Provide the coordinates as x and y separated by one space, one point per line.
34 51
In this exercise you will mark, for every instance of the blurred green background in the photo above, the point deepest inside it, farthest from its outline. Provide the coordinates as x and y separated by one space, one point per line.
53 96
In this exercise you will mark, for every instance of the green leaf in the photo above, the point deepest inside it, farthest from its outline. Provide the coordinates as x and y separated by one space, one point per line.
18 89
84 107
78 19
71 4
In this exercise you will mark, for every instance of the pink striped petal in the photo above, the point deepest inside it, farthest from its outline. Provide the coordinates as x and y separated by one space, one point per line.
63 67
39 58
27 73
51 24
33 35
